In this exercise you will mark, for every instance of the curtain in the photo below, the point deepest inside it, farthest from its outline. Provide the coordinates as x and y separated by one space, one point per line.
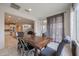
55 27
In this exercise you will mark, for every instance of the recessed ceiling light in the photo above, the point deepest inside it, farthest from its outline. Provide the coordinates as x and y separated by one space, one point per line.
30 9
9 16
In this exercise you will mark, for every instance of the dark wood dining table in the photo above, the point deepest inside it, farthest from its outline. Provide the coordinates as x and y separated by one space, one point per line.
38 43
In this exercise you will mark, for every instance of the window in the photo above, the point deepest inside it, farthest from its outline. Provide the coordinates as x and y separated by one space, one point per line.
55 27
77 21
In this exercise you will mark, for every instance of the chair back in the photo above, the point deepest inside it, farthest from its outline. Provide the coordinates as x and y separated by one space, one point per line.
20 34
61 46
74 46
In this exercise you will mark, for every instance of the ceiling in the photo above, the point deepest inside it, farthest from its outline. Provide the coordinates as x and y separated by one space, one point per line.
12 19
41 10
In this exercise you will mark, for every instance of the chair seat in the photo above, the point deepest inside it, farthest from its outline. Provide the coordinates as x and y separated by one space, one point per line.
48 51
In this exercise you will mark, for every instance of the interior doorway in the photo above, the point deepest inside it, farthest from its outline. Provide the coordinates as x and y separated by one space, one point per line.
14 24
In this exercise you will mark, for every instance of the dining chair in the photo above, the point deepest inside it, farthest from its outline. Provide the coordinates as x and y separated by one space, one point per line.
19 36
60 47
23 46
74 46
48 51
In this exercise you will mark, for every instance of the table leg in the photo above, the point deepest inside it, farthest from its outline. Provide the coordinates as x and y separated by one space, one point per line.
35 54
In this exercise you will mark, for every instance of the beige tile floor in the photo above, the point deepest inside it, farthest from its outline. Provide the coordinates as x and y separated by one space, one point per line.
10 41
9 52
10 46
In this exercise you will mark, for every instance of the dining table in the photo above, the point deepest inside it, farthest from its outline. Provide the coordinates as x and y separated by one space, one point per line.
38 43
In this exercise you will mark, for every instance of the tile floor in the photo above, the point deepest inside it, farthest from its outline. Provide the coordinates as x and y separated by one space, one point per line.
10 46
9 52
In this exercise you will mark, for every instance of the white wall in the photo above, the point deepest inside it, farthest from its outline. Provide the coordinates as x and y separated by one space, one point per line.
76 25
1 29
38 27
77 32
3 9
74 30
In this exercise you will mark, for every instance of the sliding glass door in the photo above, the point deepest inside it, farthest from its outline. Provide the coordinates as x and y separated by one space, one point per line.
55 27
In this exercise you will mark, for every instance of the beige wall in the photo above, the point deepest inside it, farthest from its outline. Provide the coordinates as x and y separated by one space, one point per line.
67 23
